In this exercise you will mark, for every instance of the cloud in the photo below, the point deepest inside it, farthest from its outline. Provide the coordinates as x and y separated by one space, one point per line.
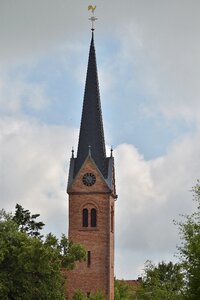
145 49
26 26
16 94
162 47
159 40
34 167
152 194
31 28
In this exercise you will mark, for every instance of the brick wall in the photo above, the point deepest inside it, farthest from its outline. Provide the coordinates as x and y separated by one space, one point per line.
99 240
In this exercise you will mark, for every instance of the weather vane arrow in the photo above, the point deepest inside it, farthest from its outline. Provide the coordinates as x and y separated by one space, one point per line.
93 18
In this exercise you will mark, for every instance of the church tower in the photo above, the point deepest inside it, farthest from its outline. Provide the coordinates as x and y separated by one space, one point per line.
91 189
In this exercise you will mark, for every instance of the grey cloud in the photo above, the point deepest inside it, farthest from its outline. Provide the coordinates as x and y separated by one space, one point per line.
159 41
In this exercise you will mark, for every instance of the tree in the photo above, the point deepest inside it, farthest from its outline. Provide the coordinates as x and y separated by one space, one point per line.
164 281
79 295
190 249
124 291
30 267
27 222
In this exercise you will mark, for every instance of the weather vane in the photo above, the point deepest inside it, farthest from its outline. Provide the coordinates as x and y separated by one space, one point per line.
93 18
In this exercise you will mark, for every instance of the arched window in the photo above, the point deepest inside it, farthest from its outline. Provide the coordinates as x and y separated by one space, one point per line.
93 217
85 217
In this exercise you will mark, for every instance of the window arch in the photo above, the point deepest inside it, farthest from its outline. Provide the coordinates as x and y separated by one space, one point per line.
93 217
85 217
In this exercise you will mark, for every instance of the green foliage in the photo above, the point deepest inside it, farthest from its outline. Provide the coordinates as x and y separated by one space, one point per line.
79 295
97 296
70 253
178 281
30 267
164 281
123 291
190 249
27 222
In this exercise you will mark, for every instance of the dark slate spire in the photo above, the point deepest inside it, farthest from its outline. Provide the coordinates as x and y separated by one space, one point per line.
91 132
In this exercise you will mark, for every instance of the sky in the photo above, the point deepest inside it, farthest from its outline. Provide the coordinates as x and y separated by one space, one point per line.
149 69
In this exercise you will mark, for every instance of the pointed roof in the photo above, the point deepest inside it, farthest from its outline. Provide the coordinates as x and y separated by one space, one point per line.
91 136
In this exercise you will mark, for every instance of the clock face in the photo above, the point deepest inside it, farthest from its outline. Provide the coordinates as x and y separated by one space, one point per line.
89 179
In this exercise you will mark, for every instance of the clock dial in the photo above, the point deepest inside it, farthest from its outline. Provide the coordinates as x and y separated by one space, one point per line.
89 179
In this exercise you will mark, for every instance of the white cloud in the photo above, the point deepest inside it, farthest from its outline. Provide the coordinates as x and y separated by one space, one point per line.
34 168
152 194
34 161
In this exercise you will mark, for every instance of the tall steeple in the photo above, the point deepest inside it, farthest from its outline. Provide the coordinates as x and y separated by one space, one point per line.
92 194
91 134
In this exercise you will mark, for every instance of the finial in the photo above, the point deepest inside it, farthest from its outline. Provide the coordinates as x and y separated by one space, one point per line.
92 18
72 152
89 150
111 151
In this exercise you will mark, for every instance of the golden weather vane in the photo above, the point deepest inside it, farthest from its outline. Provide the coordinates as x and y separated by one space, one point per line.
93 18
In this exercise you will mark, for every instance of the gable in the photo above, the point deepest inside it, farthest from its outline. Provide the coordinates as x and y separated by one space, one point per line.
89 171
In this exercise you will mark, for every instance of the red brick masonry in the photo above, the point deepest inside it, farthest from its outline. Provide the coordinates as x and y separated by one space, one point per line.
99 240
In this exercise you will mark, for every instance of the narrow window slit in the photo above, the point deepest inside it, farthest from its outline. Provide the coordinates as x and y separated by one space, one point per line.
89 259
